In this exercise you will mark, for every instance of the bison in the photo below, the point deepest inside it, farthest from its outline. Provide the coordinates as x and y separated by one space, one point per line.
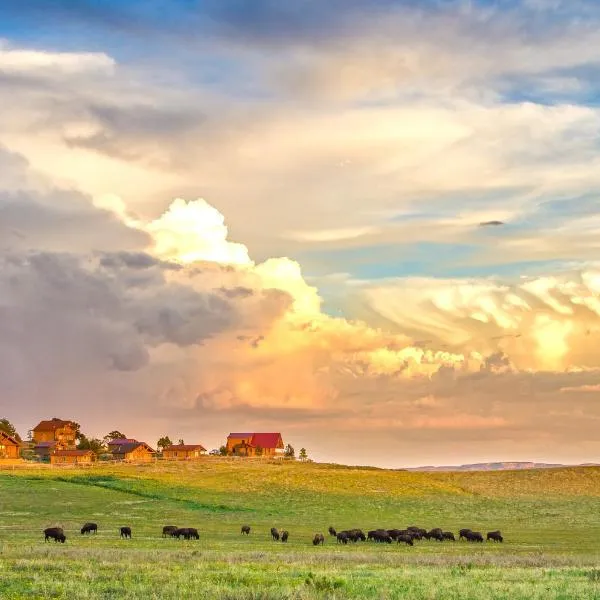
168 530
342 537
89 527
318 539
55 533
356 534
474 536
495 536
463 534
274 534
448 535
284 536
125 532
417 532
332 531
187 533
405 538
246 529
435 534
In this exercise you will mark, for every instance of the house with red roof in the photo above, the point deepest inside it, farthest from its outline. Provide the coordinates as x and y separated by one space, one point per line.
255 444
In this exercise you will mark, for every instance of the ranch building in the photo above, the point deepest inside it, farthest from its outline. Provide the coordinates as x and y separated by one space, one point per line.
56 430
62 457
44 449
184 452
9 446
255 444
132 451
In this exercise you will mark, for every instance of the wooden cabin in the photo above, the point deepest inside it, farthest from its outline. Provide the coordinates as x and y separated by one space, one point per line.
10 447
133 452
44 449
255 444
62 457
184 451
56 430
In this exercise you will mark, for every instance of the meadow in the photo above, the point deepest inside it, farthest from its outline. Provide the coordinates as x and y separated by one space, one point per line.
549 518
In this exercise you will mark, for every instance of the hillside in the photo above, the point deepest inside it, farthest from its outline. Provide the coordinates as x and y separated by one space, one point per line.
495 466
548 518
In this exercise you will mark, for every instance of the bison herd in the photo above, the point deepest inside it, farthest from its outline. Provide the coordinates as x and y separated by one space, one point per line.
406 536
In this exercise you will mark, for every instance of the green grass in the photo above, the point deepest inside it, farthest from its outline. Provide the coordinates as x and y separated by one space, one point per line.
550 520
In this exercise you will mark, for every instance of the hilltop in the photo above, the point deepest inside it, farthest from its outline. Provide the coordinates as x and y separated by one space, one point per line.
497 466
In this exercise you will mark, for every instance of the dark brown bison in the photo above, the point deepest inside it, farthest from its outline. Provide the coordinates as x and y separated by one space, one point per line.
372 535
55 533
394 533
187 533
168 530
89 527
494 536
382 537
332 531
463 534
342 537
318 539
405 538
474 536
246 529
125 532
417 533
448 535
356 534
274 534
435 534
284 536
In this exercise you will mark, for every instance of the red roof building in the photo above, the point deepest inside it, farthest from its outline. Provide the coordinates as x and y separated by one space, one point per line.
255 444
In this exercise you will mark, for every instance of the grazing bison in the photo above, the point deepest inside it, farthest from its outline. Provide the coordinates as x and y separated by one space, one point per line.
382 537
463 534
448 535
435 534
495 536
125 532
372 535
318 539
168 530
417 532
55 533
474 536
187 533
342 537
274 534
89 527
332 531
246 529
405 538
284 536
356 534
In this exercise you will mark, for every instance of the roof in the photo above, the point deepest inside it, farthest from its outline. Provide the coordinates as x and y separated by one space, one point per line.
45 445
130 447
240 435
121 441
71 452
267 440
51 425
9 438
184 447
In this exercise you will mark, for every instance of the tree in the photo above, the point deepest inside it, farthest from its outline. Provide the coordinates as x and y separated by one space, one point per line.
93 444
289 451
78 435
163 443
114 435
223 451
181 442
303 455
8 427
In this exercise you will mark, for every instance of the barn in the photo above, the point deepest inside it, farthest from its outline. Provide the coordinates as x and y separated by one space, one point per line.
184 452
132 451
255 444
62 457
9 446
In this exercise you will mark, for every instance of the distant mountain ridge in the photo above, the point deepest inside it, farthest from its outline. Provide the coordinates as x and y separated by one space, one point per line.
499 466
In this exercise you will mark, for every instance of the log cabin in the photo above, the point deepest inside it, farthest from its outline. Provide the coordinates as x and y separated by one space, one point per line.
132 452
184 451
255 444
56 430
10 447
72 457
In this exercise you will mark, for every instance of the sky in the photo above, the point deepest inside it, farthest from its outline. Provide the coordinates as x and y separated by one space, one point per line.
255 215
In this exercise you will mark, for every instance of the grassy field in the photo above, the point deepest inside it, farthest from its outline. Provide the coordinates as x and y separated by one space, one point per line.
550 520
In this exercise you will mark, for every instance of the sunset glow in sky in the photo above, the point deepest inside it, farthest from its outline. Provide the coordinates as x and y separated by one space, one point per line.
229 215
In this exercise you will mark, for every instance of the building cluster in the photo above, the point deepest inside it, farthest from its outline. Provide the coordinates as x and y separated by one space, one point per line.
55 440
